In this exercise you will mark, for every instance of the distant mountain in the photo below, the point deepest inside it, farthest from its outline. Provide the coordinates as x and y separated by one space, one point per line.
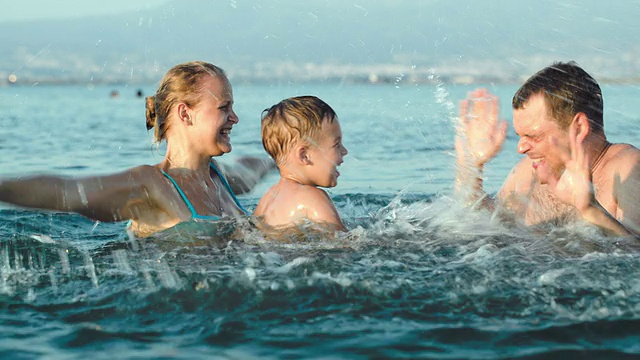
239 34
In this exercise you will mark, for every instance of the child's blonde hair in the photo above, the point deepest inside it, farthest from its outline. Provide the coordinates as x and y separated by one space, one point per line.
293 120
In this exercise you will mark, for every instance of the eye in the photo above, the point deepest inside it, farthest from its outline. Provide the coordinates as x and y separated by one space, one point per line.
225 107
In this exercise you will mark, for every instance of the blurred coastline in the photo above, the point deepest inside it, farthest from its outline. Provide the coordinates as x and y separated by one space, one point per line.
380 42
468 72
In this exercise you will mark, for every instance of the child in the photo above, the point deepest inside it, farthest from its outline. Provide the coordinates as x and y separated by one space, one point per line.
302 134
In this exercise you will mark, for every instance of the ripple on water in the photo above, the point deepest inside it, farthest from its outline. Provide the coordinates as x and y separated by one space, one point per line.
411 279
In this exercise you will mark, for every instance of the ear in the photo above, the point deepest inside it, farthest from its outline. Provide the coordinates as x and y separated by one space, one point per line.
582 126
302 155
184 113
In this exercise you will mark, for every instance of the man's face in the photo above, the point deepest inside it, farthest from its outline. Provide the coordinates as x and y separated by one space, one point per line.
541 138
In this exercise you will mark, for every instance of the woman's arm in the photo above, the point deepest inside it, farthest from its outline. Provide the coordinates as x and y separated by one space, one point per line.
105 198
246 173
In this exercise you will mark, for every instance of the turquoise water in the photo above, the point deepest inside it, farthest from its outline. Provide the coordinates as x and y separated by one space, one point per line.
416 277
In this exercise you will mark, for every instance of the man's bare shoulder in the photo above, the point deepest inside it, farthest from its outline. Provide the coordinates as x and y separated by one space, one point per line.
623 160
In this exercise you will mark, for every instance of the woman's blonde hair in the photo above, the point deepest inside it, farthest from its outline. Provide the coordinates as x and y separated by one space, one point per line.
183 83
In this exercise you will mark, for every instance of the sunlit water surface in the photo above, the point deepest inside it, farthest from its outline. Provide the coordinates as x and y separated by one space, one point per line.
417 276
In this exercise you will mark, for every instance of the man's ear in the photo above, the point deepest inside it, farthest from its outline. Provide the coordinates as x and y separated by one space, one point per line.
582 126
184 113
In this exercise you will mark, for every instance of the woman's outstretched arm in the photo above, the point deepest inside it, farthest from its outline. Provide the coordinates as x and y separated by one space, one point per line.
247 172
115 197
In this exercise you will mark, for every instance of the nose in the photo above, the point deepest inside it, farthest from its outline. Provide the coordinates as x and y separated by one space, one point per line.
344 151
523 146
233 117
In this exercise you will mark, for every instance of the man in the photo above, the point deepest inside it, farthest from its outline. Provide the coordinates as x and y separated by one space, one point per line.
570 170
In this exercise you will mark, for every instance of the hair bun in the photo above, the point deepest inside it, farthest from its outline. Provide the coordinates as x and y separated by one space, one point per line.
151 112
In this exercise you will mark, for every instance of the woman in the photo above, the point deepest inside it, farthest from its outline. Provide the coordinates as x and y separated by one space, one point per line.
193 111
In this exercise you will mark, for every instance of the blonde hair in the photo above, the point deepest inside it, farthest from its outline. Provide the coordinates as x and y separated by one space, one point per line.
293 120
182 83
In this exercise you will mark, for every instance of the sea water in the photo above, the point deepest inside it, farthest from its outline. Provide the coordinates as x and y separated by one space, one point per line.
417 276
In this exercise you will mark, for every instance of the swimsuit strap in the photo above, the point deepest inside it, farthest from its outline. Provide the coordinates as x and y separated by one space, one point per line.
194 214
228 187
182 195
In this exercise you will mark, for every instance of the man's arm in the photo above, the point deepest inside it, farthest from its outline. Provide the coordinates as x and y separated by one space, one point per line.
574 187
479 138
626 183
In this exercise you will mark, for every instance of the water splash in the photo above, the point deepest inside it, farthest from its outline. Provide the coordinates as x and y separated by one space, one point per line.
442 95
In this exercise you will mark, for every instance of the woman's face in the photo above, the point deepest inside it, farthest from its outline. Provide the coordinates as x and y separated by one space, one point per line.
214 117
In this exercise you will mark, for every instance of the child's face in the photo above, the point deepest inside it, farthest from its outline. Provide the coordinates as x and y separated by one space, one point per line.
327 155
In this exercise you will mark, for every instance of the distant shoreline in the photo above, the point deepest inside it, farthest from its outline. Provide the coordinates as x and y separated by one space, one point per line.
378 80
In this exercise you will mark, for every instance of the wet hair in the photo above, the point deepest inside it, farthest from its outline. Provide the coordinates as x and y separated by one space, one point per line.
183 83
293 120
567 90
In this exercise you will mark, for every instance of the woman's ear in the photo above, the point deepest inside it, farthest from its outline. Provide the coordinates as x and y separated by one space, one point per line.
582 126
184 113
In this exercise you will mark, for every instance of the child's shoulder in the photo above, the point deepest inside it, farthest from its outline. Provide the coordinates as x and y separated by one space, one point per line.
316 202
292 203
289 196
313 192
296 193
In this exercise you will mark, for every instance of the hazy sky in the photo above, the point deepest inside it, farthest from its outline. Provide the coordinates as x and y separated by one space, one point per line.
505 36
16 10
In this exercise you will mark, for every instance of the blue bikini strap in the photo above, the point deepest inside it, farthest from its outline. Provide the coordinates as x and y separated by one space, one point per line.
184 197
228 187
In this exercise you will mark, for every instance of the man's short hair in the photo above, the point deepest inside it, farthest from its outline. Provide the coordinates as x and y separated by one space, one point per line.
567 90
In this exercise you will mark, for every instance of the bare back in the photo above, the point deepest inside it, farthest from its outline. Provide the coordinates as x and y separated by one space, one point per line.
289 203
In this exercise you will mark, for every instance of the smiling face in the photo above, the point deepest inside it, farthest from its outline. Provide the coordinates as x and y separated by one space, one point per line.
214 117
326 155
541 138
